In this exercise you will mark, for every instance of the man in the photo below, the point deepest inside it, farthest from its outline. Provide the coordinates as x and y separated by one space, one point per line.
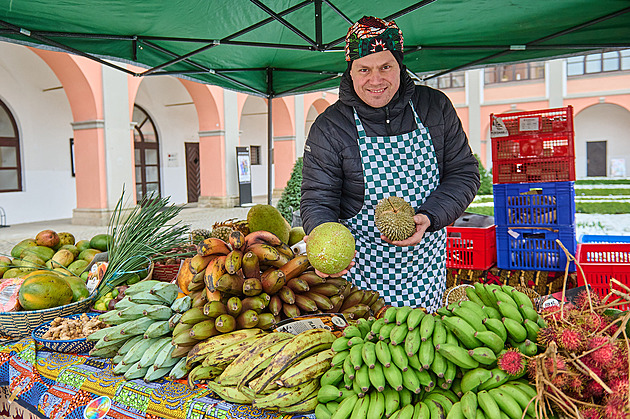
386 136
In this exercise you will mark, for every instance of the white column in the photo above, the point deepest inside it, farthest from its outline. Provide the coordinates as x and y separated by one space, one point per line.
231 141
119 159
474 98
555 82
300 135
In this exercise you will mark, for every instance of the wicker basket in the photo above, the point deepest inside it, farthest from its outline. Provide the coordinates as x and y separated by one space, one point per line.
63 346
165 273
455 294
19 324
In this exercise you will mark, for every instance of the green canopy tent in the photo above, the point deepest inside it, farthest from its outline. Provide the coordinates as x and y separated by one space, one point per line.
273 48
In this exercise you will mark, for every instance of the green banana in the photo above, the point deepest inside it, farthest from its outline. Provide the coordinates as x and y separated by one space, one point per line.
182 304
348 368
322 412
386 330
111 317
377 377
525 401
157 312
145 297
180 370
498 378
135 371
470 316
504 297
328 393
532 329
508 310
521 298
392 400
488 405
107 331
148 358
129 343
472 296
345 407
481 291
383 354
425 378
412 341
426 354
121 368
491 340
415 318
165 358
362 378
399 357
527 347
406 412
464 331
441 399
497 327
136 327
167 292
469 405
351 331
303 406
157 329
301 346
377 405
368 353
331 377
439 364
492 312
411 382
124 303
456 411
457 355
473 379
439 332
309 368
141 286
390 315
340 344
376 326
154 373
483 355
393 376
515 329
529 313
436 410
426 327
356 357
402 313
338 359
135 353
398 334
506 403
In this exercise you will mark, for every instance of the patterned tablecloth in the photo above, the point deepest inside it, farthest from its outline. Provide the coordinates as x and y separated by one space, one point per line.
72 386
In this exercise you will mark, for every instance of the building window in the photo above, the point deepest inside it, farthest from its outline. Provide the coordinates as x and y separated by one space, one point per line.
10 164
146 154
448 81
514 72
254 151
598 63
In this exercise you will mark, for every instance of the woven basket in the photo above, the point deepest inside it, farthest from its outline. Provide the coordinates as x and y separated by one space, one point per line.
63 346
165 273
19 324
455 294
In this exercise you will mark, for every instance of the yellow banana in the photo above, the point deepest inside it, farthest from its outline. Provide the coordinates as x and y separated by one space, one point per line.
214 271
218 342
211 246
308 369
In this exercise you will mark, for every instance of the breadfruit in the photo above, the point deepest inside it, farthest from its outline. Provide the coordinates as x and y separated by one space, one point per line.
268 218
330 248
393 217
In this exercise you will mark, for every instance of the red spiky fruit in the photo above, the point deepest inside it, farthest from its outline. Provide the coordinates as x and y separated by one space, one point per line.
604 354
575 384
512 362
614 412
590 413
571 340
581 300
546 335
593 389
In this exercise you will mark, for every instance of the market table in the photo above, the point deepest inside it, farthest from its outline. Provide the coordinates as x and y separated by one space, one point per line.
57 385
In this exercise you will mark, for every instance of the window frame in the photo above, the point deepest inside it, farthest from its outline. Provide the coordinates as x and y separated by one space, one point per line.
15 143
255 150
498 70
602 59
142 146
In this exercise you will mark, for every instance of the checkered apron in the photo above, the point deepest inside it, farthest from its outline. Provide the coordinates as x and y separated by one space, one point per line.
406 166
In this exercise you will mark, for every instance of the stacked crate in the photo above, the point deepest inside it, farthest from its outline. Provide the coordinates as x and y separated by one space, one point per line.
533 171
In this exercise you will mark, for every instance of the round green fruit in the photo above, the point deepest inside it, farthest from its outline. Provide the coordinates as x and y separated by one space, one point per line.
330 248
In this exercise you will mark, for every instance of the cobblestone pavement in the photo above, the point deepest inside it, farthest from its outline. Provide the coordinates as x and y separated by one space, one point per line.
195 217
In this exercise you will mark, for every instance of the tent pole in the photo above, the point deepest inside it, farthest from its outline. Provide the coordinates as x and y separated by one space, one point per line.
269 136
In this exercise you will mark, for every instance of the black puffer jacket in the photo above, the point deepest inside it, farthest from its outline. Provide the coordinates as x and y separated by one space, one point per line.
332 175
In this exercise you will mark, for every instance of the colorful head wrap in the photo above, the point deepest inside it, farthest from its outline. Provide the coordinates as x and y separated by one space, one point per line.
371 34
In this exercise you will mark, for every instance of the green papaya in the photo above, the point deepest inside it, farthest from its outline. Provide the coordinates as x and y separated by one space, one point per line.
100 242
18 248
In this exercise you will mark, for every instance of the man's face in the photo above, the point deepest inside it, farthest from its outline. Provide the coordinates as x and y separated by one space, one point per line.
376 78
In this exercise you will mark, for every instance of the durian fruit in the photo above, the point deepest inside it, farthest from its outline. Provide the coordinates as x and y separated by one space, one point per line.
222 233
393 217
199 235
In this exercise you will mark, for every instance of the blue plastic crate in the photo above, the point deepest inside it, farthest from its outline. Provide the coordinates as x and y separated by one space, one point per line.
535 248
594 238
545 204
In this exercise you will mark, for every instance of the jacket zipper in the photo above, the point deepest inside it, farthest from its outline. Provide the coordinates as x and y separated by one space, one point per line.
387 126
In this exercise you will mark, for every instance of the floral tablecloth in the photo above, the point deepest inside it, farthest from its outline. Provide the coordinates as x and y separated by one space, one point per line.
74 386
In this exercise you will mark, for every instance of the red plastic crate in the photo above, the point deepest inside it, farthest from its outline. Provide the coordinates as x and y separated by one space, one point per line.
538 146
471 247
602 262
558 169
538 121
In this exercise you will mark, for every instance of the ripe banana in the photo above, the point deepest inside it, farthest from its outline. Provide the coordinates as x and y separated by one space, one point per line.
233 261
286 396
230 394
218 342
310 368
211 246
214 271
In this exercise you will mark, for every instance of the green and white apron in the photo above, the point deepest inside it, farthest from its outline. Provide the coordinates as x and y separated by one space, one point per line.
406 166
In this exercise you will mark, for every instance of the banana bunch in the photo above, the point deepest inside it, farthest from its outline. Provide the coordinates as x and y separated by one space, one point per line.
412 364
273 371
139 339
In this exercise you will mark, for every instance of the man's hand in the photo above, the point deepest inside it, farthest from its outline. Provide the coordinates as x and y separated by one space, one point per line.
338 274
422 223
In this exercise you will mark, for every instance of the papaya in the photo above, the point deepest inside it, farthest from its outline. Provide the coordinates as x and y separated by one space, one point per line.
30 261
42 252
100 242
82 245
14 273
72 248
88 254
79 289
18 248
44 289
48 238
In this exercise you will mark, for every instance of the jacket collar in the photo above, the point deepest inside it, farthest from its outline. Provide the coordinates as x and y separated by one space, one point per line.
348 96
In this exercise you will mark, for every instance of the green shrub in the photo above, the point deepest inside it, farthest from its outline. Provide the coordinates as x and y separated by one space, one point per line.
486 179
290 199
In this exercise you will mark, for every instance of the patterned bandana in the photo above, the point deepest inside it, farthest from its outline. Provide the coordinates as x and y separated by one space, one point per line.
371 34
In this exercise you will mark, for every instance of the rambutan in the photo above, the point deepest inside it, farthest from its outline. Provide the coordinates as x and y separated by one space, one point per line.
559 365
546 335
575 384
512 362
604 354
590 413
619 385
551 313
614 411
581 300
593 389
571 340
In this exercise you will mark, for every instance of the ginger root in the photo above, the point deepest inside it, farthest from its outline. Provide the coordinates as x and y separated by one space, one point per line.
69 329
